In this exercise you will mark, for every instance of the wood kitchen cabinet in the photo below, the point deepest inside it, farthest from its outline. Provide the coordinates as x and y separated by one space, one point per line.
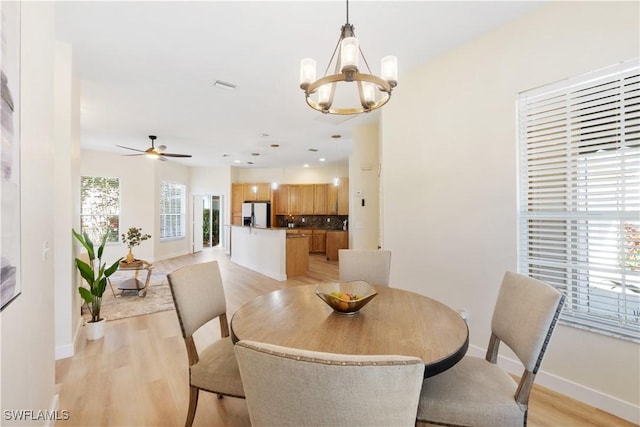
281 200
318 241
237 197
336 240
320 199
301 199
338 198
257 192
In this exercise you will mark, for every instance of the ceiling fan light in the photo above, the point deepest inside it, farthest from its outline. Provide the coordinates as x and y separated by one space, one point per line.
307 72
152 155
390 70
349 54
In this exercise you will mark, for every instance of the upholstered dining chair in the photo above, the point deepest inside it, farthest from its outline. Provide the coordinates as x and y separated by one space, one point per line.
373 266
198 295
291 387
476 391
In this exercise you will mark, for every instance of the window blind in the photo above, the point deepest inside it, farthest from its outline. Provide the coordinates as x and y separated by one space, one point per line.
579 195
172 212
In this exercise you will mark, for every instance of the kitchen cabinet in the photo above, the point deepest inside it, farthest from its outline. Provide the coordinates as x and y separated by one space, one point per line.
338 198
336 240
257 192
237 197
281 200
318 241
320 199
301 199
297 262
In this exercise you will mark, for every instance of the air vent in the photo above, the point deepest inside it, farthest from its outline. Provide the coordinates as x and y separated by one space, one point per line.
221 84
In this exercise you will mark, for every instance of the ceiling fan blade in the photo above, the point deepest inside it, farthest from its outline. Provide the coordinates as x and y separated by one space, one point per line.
129 155
162 159
128 148
174 155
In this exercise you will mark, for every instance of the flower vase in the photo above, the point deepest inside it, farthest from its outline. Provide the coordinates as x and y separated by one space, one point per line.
130 257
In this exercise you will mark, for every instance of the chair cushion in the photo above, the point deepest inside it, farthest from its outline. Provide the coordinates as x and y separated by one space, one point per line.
217 370
473 392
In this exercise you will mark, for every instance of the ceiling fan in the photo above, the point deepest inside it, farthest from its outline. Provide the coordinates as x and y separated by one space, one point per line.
153 152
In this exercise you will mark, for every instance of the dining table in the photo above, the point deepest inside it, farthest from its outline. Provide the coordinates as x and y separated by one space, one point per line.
394 322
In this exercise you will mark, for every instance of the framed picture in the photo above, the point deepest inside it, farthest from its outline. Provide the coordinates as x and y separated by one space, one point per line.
10 286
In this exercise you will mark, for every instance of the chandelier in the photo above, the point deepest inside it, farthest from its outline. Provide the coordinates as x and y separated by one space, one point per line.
372 91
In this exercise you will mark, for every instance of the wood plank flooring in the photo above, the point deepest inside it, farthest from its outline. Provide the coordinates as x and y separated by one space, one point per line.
137 375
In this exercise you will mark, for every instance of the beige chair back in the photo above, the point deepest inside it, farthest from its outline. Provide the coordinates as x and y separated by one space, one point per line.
198 295
524 316
289 387
373 266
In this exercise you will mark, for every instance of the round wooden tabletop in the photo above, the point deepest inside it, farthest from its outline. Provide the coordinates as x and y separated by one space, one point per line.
395 322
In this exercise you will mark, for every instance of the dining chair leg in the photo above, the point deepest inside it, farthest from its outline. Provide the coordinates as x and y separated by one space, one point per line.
193 404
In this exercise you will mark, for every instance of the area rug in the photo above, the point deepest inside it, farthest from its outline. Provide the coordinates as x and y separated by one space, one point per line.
129 304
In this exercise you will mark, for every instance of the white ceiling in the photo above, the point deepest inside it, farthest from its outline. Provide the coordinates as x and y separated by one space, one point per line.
148 68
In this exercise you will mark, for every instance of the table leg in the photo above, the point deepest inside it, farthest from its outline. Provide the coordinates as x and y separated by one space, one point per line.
143 292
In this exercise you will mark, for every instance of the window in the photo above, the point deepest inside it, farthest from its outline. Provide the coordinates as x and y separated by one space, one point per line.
579 196
172 212
100 207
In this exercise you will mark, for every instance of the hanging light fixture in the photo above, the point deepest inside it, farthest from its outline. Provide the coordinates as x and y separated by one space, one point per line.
373 91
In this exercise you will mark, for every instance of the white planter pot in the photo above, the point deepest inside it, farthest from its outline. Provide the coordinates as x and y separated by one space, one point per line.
95 330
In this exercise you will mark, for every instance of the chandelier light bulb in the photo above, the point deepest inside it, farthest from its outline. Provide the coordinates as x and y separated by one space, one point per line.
369 93
324 94
390 70
349 54
307 72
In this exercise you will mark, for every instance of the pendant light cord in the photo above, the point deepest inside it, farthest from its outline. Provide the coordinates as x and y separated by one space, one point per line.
347 11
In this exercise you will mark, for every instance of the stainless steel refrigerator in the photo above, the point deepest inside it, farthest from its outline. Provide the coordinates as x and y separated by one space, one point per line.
256 214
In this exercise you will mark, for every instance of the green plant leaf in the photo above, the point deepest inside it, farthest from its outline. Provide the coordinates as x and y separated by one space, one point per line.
112 269
85 294
85 271
88 244
98 290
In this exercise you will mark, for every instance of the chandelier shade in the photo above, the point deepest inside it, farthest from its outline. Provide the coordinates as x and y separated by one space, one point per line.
373 91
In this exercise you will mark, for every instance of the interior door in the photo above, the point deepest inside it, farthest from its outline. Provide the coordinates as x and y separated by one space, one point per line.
198 207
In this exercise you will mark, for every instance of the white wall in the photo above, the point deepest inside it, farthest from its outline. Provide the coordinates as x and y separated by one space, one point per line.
66 159
172 172
27 324
449 152
364 184
294 175
138 197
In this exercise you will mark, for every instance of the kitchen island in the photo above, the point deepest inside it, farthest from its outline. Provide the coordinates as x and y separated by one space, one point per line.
269 251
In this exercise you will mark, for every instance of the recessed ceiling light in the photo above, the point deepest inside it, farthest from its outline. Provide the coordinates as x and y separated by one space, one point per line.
225 155
336 136
236 161
313 149
249 163
305 165
323 159
275 145
221 84
255 154
264 135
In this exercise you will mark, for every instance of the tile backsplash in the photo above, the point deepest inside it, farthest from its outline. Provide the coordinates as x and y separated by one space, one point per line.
318 222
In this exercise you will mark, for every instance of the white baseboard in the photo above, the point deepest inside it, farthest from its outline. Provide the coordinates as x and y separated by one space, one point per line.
68 350
595 398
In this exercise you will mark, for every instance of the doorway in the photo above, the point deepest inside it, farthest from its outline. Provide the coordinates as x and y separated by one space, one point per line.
206 221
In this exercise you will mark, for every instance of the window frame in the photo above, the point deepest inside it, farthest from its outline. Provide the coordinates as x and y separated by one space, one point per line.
114 235
567 212
176 211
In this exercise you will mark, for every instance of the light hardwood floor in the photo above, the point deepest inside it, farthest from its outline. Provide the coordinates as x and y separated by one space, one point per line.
137 375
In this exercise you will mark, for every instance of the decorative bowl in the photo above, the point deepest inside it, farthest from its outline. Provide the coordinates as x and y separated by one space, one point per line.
346 297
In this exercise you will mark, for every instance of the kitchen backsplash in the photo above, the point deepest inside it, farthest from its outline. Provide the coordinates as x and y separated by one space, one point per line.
318 222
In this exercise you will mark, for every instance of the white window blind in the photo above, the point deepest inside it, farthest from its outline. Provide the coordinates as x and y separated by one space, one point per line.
100 207
579 195
172 210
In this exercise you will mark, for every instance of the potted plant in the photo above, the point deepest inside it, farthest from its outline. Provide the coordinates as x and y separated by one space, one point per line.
95 274
132 238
